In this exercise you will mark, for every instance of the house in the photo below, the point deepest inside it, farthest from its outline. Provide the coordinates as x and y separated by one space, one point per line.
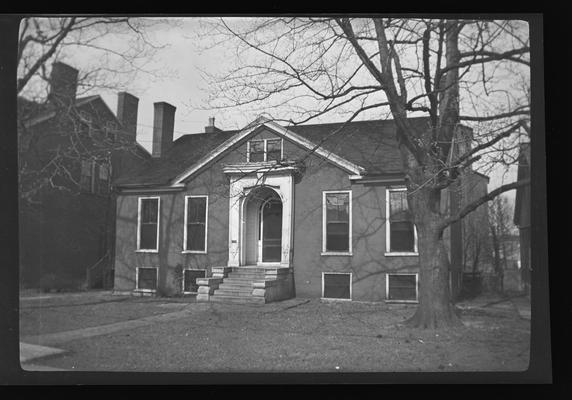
67 224
522 207
470 247
267 213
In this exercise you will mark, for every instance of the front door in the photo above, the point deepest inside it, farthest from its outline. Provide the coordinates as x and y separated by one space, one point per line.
271 231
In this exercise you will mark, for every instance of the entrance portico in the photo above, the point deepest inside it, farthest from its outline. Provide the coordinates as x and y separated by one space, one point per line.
260 215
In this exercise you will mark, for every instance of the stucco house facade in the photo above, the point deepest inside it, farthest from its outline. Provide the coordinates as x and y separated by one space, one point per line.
267 213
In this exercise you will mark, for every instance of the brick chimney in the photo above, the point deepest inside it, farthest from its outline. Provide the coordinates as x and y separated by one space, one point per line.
127 106
211 128
163 125
63 84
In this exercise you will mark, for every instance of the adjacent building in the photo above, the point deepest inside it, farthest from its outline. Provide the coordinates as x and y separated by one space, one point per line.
70 150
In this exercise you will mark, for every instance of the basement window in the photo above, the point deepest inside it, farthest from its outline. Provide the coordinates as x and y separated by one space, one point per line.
401 287
337 285
190 279
147 278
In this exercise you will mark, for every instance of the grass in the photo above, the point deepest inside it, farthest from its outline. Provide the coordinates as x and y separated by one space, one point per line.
291 336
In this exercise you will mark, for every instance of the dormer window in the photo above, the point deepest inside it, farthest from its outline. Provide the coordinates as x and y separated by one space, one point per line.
264 150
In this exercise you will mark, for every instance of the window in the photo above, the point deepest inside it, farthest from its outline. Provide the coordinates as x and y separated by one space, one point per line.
103 183
147 279
273 149
86 179
148 230
110 130
87 120
190 279
337 222
401 287
264 150
195 237
400 230
256 151
336 285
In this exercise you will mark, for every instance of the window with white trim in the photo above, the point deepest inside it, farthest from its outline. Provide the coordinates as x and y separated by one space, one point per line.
401 236
337 285
148 221
401 287
337 222
196 216
190 279
264 150
146 279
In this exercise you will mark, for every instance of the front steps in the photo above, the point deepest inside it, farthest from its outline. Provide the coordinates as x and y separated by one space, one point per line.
246 285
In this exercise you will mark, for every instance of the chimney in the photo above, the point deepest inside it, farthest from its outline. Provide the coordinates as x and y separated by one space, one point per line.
163 125
127 105
211 127
63 84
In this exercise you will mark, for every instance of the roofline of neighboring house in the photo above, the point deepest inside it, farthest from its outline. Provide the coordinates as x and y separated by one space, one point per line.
78 103
249 130
482 175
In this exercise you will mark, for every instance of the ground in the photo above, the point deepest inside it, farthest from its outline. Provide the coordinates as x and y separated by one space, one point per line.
96 331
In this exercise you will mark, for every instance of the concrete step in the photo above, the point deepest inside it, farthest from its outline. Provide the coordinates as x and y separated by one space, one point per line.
236 299
235 286
231 292
246 273
242 279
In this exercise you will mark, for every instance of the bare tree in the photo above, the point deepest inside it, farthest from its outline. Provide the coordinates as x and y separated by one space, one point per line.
115 50
453 72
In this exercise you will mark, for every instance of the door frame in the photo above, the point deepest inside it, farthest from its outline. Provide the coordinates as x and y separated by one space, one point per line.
281 182
260 242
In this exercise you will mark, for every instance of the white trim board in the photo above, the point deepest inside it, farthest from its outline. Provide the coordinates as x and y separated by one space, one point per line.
274 127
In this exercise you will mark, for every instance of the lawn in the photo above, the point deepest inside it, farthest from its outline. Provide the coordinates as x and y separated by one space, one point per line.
296 335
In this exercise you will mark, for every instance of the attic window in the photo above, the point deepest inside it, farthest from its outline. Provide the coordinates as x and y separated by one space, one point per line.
264 150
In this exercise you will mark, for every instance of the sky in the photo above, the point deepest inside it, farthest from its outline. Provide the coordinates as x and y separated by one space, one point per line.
181 84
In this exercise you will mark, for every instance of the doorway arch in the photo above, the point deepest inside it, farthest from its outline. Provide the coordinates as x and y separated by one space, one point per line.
262 231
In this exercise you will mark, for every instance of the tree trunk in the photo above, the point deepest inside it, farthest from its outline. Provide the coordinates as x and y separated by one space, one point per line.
435 309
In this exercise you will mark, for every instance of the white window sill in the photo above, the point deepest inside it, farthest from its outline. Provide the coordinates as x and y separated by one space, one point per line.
333 299
193 252
401 254
145 290
146 251
334 253
402 301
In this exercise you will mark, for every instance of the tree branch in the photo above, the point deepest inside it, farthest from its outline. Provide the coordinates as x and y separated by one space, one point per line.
478 202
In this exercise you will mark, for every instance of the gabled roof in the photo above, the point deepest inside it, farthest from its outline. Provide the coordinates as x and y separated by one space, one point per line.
370 145
41 112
